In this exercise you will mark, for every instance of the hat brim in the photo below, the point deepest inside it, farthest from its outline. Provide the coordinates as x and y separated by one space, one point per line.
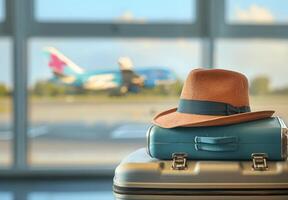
171 118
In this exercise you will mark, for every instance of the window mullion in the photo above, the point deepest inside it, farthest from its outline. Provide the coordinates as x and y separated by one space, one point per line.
18 11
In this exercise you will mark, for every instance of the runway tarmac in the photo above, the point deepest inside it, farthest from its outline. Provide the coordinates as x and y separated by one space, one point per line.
77 144
78 131
90 132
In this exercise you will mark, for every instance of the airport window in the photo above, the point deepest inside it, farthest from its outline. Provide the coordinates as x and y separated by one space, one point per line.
257 12
2 10
6 87
88 117
76 119
126 11
266 72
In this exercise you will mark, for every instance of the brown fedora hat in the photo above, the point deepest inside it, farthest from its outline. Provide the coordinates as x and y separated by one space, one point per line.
211 97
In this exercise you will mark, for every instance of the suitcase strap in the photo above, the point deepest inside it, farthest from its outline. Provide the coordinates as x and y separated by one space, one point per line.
216 140
216 144
216 148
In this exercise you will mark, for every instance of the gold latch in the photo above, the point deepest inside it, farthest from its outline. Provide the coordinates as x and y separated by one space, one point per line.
179 161
259 161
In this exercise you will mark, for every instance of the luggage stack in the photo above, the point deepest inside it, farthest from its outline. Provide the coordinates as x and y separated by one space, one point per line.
210 147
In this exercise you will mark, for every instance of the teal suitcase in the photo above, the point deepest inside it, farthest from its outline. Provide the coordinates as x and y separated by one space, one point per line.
266 137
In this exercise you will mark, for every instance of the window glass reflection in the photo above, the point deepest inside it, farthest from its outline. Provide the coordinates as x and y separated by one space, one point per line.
91 100
2 10
6 89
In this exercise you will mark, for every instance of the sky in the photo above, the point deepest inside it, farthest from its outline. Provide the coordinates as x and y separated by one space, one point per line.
257 11
136 10
252 57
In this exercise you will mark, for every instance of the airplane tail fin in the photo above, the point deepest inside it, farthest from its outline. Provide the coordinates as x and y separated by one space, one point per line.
60 64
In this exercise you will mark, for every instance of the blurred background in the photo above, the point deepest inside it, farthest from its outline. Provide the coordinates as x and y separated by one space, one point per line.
81 80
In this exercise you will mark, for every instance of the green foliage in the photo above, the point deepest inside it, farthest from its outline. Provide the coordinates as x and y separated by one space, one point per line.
3 90
45 88
260 85
282 91
164 90
176 88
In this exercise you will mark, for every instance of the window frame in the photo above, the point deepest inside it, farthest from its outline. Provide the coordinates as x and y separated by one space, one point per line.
20 25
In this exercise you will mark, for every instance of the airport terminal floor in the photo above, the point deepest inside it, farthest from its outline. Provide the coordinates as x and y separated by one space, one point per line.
57 189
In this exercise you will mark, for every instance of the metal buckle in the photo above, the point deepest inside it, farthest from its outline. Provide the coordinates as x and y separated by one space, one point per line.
179 161
259 161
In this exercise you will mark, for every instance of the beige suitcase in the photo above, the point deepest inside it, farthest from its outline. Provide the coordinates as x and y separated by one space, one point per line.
141 177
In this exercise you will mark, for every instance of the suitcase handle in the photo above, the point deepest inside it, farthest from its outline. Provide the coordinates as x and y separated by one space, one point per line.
216 148
215 140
